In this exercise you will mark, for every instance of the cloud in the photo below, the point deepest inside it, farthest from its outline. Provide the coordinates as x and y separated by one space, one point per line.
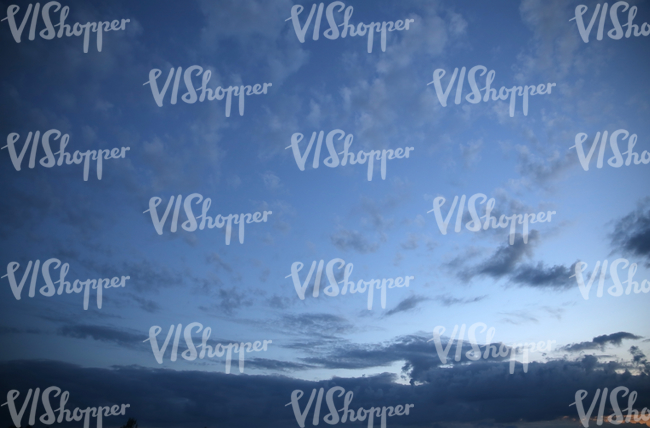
219 263
234 181
325 326
21 205
631 234
230 300
556 49
476 393
260 32
147 305
407 304
505 258
244 18
545 169
101 333
376 210
146 275
271 181
599 342
416 352
518 317
411 242
555 312
639 359
539 276
471 152
276 365
506 262
279 302
447 300
345 240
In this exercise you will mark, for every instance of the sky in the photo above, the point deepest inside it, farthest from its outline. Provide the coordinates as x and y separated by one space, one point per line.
254 157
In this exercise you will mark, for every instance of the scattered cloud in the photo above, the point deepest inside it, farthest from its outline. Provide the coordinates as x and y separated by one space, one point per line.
600 342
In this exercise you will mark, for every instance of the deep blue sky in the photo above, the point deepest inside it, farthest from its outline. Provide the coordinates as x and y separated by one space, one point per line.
382 227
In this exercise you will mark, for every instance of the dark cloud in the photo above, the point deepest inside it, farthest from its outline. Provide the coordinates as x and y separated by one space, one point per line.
631 234
540 276
599 342
147 305
639 359
417 353
102 333
407 304
276 365
14 330
506 257
507 262
501 263
473 393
